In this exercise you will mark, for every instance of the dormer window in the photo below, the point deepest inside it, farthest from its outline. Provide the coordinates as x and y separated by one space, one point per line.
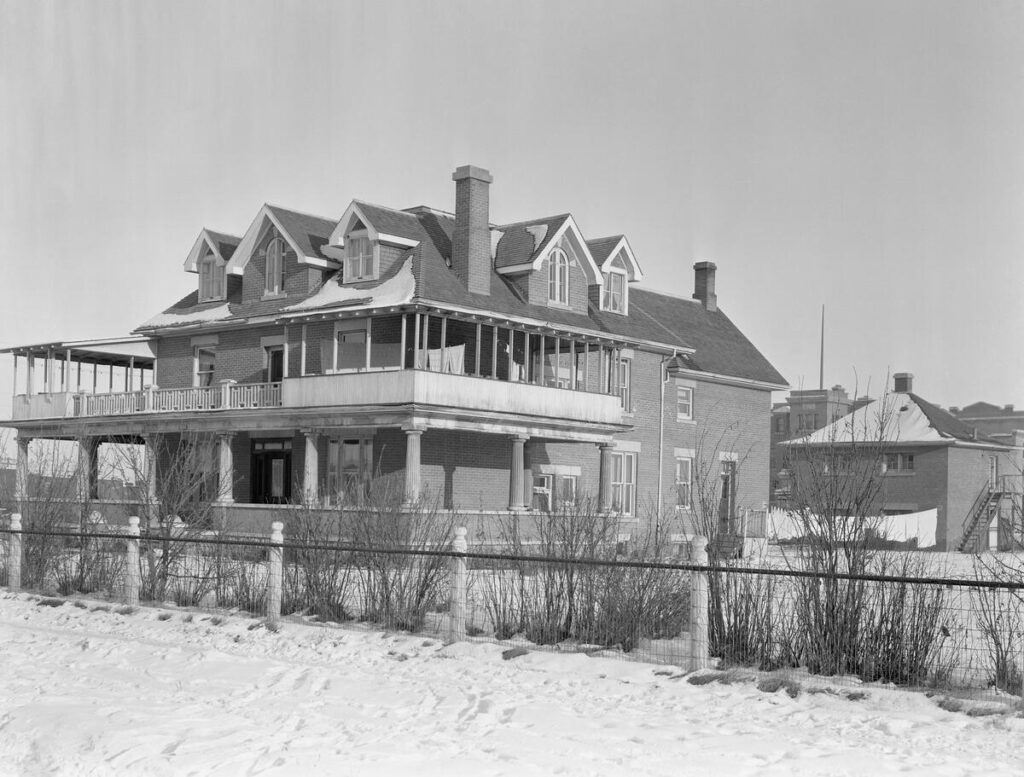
211 279
558 277
359 260
275 266
613 297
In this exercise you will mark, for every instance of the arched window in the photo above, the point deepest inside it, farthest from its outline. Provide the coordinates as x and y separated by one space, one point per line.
558 277
275 266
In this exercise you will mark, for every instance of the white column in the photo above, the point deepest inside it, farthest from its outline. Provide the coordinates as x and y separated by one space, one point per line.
459 585
515 474
21 473
413 436
275 571
311 467
226 481
284 354
132 572
604 493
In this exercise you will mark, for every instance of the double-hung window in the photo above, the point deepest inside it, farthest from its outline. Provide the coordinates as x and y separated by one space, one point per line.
624 387
558 277
899 462
684 482
211 280
349 470
205 361
684 403
358 257
624 483
552 492
614 297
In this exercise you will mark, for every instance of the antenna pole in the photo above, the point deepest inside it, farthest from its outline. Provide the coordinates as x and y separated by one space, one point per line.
821 366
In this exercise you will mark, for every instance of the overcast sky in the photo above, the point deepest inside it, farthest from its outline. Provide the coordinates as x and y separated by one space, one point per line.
865 156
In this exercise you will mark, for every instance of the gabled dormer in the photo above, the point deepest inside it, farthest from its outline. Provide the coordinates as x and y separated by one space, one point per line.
619 268
282 253
548 261
365 243
209 259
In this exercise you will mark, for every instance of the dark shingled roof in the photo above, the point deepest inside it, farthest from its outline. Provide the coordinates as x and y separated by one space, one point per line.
720 347
310 233
949 425
602 247
226 244
517 244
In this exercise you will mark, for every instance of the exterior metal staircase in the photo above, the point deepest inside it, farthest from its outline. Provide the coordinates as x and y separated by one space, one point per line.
979 517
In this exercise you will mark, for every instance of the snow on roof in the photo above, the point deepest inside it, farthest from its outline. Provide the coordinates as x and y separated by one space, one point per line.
189 317
895 418
396 290
539 232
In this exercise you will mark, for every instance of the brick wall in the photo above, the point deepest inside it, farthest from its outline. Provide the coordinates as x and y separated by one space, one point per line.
299 279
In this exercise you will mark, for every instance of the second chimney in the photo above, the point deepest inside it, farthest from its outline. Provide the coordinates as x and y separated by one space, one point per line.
471 240
704 285
903 382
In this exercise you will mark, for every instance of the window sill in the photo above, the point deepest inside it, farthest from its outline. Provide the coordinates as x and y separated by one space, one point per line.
274 295
560 305
899 474
681 420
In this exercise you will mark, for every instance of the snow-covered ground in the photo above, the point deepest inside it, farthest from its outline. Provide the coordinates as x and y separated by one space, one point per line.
168 692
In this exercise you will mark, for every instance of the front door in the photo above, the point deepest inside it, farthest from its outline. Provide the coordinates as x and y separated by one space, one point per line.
271 471
275 364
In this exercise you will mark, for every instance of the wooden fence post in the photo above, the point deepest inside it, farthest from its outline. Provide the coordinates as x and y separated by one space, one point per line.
275 568
132 572
699 605
14 553
457 595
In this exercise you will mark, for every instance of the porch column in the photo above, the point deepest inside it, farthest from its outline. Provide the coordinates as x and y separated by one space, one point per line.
226 472
311 467
21 474
88 469
412 463
151 441
604 493
515 474
528 456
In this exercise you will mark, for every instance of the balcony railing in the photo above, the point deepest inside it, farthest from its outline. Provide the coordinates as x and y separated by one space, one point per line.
386 387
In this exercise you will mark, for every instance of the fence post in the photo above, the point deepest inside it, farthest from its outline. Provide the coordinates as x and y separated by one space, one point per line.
14 553
699 605
132 572
457 595
275 566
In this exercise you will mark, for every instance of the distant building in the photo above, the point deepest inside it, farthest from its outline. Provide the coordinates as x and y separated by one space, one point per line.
932 460
803 412
1000 423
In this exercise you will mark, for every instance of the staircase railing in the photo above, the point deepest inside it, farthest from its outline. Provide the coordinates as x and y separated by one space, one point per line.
980 509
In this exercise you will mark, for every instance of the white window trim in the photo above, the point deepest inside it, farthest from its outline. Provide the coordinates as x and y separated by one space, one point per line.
682 383
728 456
630 511
196 348
349 325
279 291
358 234
218 271
625 290
679 458
557 250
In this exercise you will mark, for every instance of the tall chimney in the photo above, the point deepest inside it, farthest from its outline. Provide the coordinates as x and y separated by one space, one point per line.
704 285
903 382
471 241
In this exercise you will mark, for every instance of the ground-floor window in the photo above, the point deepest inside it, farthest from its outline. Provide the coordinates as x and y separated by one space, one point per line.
551 492
624 483
684 482
349 470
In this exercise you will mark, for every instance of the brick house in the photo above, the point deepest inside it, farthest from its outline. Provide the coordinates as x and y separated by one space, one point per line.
929 460
493 368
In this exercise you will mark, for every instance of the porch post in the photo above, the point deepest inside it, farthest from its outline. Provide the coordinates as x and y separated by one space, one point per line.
66 372
412 463
311 467
151 441
476 362
515 479
226 478
604 494
285 354
302 353
21 473
14 393
30 375
528 456
415 341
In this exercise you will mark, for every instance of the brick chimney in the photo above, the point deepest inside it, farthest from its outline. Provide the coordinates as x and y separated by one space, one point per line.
903 382
704 285
471 241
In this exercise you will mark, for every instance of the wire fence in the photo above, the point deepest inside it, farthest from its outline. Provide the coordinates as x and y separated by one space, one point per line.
889 626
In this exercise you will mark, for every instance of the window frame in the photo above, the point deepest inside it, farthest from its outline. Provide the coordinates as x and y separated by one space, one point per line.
688 414
625 380
338 476
607 296
360 237
688 483
197 373
621 486
904 463
558 277
278 274
211 278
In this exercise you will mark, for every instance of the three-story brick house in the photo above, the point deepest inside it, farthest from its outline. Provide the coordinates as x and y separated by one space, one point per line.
490 367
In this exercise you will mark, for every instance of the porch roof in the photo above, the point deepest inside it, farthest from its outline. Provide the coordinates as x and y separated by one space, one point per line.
118 351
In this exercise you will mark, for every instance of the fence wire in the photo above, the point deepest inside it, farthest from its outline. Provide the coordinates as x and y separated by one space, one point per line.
895 625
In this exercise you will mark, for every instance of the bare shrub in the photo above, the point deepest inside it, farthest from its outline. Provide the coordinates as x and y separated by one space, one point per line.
318 579
1000 617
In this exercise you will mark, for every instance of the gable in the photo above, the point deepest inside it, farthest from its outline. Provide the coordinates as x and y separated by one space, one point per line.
222 247
305 235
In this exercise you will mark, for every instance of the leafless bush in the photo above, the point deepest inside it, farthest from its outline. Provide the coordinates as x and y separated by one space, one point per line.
1000 616
318 580
398 589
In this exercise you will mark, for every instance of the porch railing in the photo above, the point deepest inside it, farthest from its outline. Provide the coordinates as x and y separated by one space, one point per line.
178 400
